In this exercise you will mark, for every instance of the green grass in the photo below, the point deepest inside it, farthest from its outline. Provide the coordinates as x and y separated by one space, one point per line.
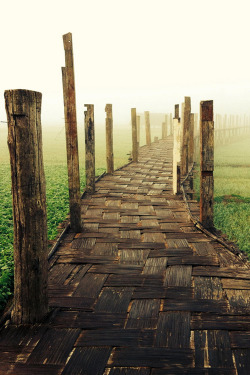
232 192
56 188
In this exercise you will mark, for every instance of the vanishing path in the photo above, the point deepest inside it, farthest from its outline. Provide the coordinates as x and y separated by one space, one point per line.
141 291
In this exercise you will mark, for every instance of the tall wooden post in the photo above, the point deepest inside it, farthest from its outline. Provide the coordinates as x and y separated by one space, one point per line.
206 164
147 128
71 135
186 126
134 136
191 140
176 151
109 139
23 109
164 130
138 125
89 148
176 111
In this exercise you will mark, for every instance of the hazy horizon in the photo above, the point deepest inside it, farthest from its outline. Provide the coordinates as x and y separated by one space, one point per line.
142 53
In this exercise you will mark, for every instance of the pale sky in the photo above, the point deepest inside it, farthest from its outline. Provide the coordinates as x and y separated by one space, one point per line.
147 54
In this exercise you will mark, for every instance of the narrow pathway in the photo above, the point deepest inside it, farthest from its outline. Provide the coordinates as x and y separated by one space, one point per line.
140 292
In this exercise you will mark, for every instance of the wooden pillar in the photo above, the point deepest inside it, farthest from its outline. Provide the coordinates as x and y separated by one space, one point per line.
147 128
171 124
186 126
23 109
164 130
176 156
176 111
89 148
71 135
206 164
191 140
109 139
138 125
134 136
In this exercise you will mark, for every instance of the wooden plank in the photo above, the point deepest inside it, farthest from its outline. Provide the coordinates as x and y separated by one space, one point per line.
151 357
178 276
173 330
143 314
129 371
26 369
116 268
90 285
61 340
195 260
116 337
208 288
93 320
114 300
159 291
84 361
239 301
235 284
194 371
240 339
219 350
225 272
155 266
198 305
71 302
205 321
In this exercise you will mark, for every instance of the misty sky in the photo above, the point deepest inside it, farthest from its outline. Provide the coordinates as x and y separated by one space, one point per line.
147 54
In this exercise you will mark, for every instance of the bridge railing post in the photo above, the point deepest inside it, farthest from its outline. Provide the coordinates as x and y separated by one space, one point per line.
89 148
147 128
206 164
23 109
134 136
176 151
71 135
185 138
138 125
109 139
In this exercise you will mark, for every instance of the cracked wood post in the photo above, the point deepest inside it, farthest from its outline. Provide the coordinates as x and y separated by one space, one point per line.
191 140
206 164
23 108
109 139
134 136
138 126
89 148
176 151
71 135
186 126
147 128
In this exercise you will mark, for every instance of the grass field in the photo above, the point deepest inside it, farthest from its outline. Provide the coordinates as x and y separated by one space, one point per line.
232 192
232 188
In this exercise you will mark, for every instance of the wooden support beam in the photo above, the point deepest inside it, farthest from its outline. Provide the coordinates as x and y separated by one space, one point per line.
23 109
176 155
71 135
147 128
186 126
109 139
191 140
89 148
164 130
176 111
134 136
206 164
138 125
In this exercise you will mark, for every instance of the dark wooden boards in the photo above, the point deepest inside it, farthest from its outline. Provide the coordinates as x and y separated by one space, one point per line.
140 291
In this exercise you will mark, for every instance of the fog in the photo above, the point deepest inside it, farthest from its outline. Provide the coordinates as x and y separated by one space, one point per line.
147 54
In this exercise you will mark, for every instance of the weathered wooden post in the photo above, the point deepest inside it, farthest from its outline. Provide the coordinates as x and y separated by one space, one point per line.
186 126
89 148
71 135
109 139
206 164
147 128
176 151
138 125
134 136
23 109
164 130
191 140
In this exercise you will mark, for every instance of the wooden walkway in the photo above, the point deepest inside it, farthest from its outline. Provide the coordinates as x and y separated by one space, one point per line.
140 292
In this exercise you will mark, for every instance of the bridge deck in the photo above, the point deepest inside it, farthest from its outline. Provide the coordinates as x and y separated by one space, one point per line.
140 292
